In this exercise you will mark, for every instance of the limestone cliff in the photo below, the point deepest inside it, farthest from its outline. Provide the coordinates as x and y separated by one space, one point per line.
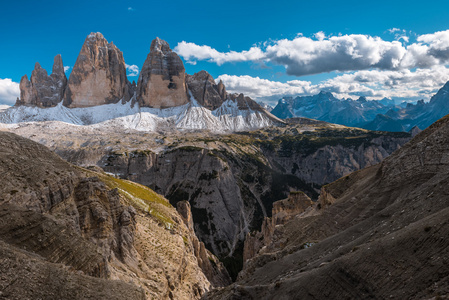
43 90
204 89
99 75
282 212
381 235
162 78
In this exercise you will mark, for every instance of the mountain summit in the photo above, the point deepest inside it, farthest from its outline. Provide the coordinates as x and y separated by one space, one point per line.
99 75
161 81
43 90
165 97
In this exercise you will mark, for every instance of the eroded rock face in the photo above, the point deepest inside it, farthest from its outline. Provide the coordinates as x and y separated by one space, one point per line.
282 212
204 89
66 218
43 90
161 81
213 269
99 75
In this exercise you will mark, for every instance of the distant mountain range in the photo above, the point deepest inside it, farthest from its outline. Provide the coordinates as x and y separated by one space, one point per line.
381 115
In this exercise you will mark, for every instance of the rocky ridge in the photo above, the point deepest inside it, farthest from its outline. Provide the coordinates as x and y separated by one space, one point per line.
163 90
376 233
43 90
109 231
232 178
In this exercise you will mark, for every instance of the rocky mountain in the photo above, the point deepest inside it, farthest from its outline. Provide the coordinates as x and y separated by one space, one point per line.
204 89
230 180
420 114
377 233
70 233
325 107
98 76
165 98
162 79
382 115
43 90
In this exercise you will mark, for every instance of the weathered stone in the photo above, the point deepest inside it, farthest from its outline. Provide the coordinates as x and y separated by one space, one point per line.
161 81
204 89
99 75
43 90
210 265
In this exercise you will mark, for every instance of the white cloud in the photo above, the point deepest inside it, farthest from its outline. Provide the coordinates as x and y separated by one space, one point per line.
9 91
258 88
133 70
305 56
66 68
130 9
393 30
192 52
375 84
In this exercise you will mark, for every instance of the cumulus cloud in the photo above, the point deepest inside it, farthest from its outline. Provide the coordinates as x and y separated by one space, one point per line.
258 88
130 9
66 68
9 91
345 53
192 52
133 70
374 84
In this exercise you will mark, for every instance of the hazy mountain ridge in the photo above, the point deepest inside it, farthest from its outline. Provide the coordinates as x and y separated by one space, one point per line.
382 115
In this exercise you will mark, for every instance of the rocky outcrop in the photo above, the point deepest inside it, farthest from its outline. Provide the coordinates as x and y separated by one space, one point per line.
204 89
43 90
282 212
162 78
383 236
99 75
95 225
211 266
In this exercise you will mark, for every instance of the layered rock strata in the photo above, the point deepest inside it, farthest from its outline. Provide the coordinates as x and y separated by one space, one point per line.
91 227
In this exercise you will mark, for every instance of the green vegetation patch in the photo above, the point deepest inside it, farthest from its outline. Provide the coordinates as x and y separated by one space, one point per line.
141 197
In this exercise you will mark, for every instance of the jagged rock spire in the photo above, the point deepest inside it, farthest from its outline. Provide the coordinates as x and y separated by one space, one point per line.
43 90
205 90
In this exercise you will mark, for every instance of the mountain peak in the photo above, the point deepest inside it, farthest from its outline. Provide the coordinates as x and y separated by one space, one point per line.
98 76
162 79
159 45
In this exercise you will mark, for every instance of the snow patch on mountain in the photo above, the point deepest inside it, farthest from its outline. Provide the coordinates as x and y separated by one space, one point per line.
118 116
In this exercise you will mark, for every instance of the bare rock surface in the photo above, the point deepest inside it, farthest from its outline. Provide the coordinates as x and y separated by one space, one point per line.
98 76
382 234
204 89
69 220
43 90
162 78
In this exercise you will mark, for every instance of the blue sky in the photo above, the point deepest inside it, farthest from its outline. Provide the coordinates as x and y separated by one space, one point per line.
34 31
